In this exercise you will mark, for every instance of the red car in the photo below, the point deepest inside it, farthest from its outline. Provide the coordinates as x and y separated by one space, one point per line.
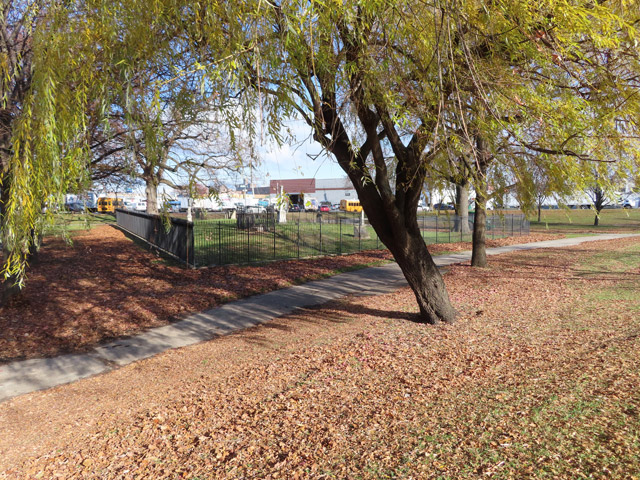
324 208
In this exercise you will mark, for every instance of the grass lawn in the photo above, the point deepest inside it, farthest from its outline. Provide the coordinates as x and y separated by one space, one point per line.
567 221
538 379
74 222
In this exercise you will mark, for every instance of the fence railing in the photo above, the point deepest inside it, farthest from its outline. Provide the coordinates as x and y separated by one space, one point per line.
254 238
261 238
177 239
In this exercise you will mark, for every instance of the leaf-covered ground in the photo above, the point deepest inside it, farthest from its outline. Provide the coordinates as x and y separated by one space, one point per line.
537 379
104 286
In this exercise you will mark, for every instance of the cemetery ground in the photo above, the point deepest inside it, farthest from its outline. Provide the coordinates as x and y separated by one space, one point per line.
537 379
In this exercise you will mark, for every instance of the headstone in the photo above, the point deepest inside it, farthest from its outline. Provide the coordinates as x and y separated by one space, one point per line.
360 230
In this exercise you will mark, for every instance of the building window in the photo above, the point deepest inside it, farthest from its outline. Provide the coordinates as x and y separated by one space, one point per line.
347 194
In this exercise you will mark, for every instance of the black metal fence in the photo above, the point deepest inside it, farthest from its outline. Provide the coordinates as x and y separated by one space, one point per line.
259 238
253 238
172 235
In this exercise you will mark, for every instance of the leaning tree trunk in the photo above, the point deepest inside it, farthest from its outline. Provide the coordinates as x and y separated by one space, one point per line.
422 274
399 230
392 211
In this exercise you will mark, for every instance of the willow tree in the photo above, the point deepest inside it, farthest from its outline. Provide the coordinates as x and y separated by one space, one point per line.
45 95
82 57
167 118
346 70
550 82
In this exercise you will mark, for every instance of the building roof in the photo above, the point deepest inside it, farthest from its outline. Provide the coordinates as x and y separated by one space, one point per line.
309 185
296 185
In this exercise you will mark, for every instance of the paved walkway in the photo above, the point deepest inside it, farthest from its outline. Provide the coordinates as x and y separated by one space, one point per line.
30 375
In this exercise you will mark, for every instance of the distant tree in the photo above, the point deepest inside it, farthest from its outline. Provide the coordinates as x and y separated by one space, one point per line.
603 189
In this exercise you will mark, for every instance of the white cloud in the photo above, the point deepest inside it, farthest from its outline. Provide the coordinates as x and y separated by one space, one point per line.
303 158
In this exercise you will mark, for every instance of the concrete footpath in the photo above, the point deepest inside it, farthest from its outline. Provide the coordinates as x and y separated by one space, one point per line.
26 376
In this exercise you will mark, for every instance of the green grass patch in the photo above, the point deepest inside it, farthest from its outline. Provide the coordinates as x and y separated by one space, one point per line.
224 243
618 220
219 243
578 235
71 223
620 260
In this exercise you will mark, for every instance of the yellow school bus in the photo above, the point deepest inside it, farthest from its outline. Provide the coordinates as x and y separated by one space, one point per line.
350 206
109 205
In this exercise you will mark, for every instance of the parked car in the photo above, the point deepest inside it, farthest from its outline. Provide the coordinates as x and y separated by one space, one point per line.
443 206
74 207
335 207
294 208
423 208
325 208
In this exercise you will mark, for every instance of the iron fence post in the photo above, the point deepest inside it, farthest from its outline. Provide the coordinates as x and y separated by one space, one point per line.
521 222
274 237
340 221
298 238
320 238
219 243
437 227
360 233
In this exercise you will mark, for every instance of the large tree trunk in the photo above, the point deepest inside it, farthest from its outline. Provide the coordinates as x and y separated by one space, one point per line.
391 210
151 193
479 246
394 218
417 265
425 280
462 208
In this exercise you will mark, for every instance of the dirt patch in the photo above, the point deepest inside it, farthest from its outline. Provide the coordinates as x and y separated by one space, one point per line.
104 287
